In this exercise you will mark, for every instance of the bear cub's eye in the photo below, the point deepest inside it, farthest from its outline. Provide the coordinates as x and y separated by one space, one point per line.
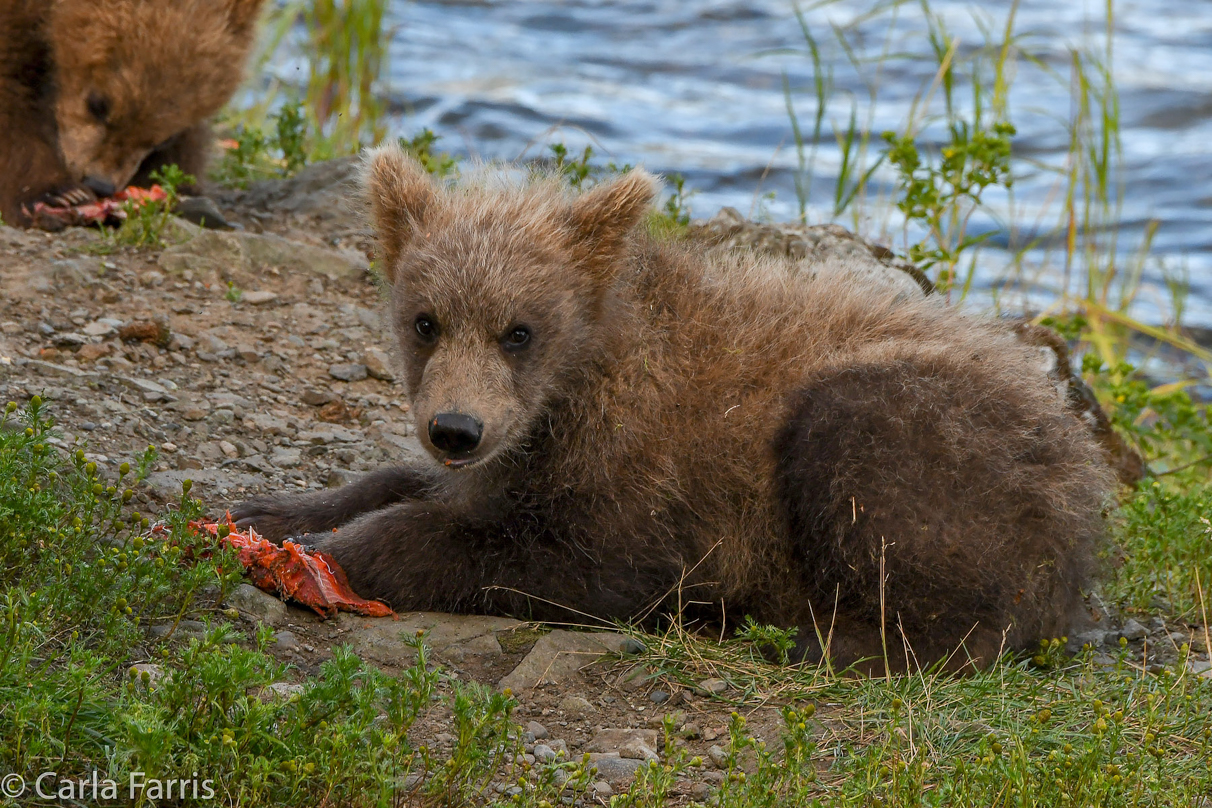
517 338
98 106
427 329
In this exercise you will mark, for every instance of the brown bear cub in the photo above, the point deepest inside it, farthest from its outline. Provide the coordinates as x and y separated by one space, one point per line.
95 96
620 424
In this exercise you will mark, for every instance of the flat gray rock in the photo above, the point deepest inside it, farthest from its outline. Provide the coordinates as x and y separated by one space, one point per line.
453 635
221 253
167 484
560 654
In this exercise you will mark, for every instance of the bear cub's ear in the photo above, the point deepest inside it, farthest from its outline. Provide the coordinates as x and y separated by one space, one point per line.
400 192
604 217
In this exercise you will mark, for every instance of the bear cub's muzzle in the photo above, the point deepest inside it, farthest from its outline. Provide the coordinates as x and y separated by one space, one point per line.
456 434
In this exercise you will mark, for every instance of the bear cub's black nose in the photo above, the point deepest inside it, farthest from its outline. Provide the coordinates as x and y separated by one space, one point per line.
455 432
100 187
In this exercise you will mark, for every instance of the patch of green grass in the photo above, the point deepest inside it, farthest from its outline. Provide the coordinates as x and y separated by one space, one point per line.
1047 731
1162 560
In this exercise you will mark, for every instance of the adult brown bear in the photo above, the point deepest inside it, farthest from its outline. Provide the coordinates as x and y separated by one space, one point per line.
614 419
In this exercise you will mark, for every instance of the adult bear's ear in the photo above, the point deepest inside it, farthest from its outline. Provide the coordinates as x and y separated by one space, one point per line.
604 217
243 14
400 192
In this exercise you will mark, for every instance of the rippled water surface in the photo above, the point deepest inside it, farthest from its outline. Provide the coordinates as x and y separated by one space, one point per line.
696 87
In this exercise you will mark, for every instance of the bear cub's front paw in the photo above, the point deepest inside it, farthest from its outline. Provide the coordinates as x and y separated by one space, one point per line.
274 518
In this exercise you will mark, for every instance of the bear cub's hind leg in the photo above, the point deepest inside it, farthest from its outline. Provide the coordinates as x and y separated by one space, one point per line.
948 503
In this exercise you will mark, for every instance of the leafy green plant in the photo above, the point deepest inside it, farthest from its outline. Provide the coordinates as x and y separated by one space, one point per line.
252 155
1164 424
146 220
943 196
421 146
577 170
291 137
673 218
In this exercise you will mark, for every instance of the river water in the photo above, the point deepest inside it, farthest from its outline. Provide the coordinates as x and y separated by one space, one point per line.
696 87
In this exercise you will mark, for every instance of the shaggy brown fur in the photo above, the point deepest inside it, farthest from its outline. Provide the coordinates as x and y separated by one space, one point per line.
95 95
809 452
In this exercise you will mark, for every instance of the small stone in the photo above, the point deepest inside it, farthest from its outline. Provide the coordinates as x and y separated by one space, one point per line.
99 328
202 211
316 398
614 739
194 411
191 628
718 757
632 646
229 450
712 687
348 372
576 706
637 750
378 364
544 753
633 678
256 605
700 792
154 673
168 448
338 477
614 769
258 298
286 458
1133 631
223 416
602 790
658 697
70 340
286 641
537 730
1094 638
94 351
283 690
